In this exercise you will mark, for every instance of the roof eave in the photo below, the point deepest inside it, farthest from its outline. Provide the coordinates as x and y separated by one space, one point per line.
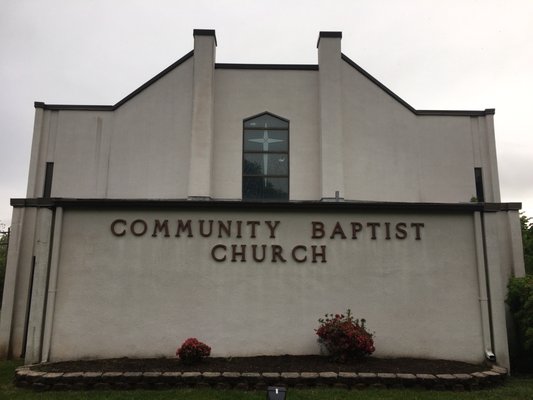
459 113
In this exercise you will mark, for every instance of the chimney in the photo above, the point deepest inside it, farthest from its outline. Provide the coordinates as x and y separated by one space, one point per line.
330 103
205 43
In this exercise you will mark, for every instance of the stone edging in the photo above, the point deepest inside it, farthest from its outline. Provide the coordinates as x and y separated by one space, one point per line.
25 377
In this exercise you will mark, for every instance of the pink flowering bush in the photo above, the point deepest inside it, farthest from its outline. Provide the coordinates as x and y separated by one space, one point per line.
344 337
192 351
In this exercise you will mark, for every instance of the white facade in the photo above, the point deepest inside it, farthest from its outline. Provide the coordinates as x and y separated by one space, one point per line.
82 282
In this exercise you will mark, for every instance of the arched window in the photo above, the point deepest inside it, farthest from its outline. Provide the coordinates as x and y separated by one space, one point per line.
265 164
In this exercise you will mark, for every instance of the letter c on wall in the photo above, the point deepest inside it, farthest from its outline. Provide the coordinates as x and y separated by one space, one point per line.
213 252
113 227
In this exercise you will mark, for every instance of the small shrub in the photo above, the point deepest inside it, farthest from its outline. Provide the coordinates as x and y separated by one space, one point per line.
192 351
344 337
520 301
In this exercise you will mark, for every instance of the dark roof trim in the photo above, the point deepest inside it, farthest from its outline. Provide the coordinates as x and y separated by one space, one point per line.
299 67
265 113
44 106
80 107
295 67
205 32
466 113
156 78
328 34
488 111
289 206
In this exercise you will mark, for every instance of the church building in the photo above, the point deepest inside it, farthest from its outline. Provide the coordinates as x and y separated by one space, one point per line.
239 203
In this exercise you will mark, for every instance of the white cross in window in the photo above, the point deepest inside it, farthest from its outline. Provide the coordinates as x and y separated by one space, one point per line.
265 140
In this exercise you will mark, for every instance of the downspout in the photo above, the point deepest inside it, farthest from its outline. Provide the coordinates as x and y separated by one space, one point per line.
48 267
484 289
42 249
52 285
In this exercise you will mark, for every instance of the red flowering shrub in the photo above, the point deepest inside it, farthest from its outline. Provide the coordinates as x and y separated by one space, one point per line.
344 337
192 351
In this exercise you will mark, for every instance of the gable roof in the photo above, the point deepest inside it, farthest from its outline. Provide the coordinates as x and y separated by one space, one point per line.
488 111
86 107
290 67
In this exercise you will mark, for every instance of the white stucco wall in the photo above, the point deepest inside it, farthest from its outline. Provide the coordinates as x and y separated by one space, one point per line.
293 95
392 154
142 296
151 140
143 148
139 150
20 263
388 153
80 153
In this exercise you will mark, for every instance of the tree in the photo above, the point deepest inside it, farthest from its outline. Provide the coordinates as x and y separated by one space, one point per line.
527 241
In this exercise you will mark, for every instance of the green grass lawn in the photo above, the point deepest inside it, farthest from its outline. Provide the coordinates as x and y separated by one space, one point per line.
516 389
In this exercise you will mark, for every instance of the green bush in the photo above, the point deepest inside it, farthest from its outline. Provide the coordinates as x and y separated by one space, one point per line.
520 300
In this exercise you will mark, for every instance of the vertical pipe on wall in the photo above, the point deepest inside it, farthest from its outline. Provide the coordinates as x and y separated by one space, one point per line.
493 230
52 285
483 284
41 251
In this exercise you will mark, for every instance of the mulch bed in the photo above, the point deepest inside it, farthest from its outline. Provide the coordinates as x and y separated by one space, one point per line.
286 363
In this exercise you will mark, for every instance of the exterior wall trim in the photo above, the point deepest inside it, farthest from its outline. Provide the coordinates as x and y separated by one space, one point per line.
291 205
205 32
283 67
265 113
328 34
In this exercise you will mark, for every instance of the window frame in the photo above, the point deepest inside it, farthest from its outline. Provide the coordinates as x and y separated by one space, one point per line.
243 152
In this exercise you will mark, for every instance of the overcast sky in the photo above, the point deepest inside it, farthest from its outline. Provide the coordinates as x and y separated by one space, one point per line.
453 54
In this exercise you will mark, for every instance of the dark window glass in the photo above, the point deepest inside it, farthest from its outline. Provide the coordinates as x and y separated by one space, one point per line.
480 193
48 176
266 121
266 164
265 159
260 188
